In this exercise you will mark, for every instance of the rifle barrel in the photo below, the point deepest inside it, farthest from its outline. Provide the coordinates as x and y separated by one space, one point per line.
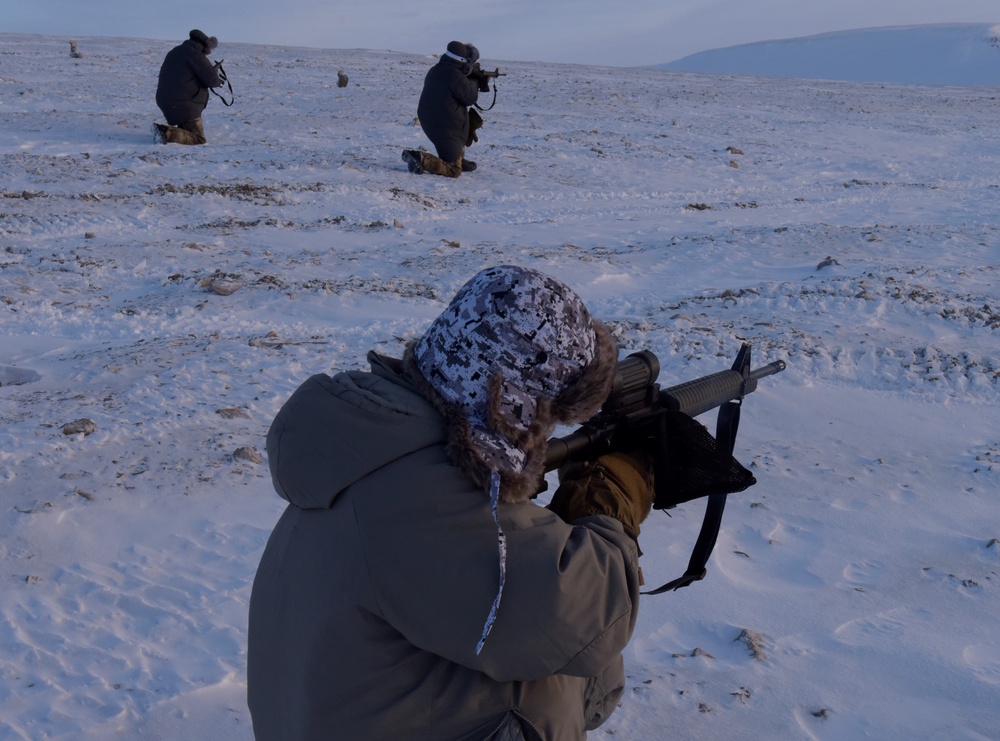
691 397
702 394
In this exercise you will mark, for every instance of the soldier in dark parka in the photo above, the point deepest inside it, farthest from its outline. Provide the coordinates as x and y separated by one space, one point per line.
450 88
182 90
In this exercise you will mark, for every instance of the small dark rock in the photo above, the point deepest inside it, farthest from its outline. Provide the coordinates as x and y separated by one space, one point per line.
248 454
84 425
232 413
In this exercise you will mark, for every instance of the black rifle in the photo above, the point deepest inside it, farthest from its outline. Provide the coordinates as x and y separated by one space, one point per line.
483 77
687 462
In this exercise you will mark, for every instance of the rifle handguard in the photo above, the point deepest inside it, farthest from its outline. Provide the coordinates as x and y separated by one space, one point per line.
636 401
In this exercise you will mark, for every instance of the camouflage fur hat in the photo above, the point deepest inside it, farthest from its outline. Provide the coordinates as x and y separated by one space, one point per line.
515 353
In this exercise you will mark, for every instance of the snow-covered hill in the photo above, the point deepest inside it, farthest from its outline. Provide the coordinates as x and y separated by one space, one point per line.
176 296
955 54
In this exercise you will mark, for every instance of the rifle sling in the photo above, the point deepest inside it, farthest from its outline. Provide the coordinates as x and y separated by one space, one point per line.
225 79
726 428
491 104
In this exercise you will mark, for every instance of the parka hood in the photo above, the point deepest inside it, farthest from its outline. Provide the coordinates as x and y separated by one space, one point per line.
334 431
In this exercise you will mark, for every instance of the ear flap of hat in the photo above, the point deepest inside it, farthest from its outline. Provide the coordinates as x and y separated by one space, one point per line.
512 410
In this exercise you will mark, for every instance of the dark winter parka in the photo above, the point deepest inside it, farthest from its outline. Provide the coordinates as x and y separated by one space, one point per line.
443 109
185 77
372 591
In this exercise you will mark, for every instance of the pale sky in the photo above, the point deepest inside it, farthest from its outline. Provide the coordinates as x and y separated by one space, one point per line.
602 32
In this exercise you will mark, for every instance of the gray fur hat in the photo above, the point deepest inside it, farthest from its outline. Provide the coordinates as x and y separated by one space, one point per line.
207 42
463 52
463 56
514 354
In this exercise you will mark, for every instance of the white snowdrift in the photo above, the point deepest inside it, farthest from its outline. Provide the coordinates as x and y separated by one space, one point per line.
691 212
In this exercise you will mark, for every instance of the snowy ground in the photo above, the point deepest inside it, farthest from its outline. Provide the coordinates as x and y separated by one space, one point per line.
864 565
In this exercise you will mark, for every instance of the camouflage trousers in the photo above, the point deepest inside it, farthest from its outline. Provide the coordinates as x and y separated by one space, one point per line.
189 132
437 166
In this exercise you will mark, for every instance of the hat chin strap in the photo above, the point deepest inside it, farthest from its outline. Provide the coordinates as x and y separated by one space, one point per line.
502 551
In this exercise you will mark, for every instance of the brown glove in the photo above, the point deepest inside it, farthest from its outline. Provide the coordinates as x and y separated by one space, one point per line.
475 123
618 485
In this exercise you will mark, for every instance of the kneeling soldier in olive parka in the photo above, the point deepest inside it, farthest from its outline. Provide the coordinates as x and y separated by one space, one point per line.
413 589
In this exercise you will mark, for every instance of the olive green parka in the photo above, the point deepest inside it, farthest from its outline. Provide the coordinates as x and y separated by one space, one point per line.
373 590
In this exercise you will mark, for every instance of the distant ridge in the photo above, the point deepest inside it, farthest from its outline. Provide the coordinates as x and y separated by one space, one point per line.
949 54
